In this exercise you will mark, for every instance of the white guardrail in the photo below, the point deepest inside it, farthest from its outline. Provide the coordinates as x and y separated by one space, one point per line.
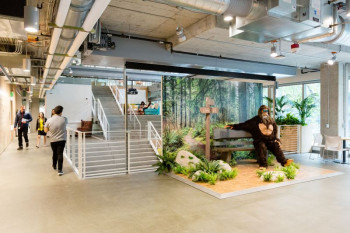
154 138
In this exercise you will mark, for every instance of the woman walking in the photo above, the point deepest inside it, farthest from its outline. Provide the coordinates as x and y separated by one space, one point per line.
40 128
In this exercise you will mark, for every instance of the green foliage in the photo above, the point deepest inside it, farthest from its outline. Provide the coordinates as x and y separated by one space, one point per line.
240 155
288 120
210 178
199 155
260 172
208 166
280 178
232 162
296 165
281 103
271 159
228 175
290 172
198 130
166 162
305 107
172 140
267 176
178 169
185 131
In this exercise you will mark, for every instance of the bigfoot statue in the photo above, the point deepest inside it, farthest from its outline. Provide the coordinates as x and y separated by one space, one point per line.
264 131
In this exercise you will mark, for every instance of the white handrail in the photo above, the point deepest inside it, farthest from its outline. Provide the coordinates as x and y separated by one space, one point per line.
135 117
93 105
153 135
116 98
103 119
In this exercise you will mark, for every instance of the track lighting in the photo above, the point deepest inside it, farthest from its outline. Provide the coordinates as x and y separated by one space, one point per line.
273 51
180 34
332 60
31 19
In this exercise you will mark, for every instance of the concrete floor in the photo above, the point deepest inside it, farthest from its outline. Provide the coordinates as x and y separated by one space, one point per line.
34 199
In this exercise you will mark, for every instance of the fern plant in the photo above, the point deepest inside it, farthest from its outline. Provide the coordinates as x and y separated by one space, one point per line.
166 162
208 166
228 175
280 103
267 176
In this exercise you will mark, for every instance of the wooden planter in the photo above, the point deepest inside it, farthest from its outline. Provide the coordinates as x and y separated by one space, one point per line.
290 138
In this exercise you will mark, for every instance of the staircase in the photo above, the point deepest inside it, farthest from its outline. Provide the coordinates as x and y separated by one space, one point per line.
108 157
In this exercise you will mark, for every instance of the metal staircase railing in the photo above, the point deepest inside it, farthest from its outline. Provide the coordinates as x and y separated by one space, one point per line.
154 138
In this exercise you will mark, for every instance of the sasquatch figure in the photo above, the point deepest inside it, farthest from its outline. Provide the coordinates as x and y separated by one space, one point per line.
264 131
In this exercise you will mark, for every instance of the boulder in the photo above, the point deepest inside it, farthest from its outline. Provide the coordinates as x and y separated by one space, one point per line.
186 159
224 166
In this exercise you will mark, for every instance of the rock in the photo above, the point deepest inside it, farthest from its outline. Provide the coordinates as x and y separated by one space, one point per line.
224 166
186 159
196 175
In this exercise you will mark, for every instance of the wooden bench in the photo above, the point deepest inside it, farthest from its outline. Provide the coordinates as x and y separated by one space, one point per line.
228 140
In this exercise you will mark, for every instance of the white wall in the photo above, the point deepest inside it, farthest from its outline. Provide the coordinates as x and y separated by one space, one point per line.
135 99
74 98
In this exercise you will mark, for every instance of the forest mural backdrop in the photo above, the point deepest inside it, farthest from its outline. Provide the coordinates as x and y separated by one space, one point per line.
183 97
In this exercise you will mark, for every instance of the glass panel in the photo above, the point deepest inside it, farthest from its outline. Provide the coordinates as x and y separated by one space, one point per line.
265 94
293 93
315 117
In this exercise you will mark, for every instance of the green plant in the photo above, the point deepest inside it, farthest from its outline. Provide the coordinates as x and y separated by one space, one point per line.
288 120
280 178
280 104
305 107
232 162
210 178
208 166
228 175
267 176
271 159
296 165
178 169
172 139
260 172
290 172
166 162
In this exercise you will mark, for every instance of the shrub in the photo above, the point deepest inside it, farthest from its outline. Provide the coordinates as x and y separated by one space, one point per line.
271 159
279 179
288 120
202 176
178 169
172 140
296 165
267 176
208 166
166 162
260 172
233 162
290 172
228 175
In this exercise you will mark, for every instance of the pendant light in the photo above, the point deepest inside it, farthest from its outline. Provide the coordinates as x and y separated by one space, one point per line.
26 63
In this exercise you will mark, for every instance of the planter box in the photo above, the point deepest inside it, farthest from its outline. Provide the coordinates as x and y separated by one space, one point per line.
295 138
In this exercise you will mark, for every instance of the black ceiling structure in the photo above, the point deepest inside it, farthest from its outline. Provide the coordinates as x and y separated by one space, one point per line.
195 71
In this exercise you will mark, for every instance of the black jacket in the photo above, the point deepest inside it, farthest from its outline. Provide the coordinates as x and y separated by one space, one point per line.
18 120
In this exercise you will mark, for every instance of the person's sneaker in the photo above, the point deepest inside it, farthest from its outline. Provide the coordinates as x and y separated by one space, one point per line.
27 144
20 148
288 163
60 173
54 168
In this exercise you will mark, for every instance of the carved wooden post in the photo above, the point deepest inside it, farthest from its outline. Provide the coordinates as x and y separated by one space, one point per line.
207 110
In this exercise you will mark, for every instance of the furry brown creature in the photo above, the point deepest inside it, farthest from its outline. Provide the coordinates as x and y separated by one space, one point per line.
264 131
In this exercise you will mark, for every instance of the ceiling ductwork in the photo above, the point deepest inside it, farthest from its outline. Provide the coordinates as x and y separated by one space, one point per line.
267 20
74 20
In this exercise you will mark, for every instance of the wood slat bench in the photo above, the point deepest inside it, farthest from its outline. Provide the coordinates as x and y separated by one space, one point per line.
228 140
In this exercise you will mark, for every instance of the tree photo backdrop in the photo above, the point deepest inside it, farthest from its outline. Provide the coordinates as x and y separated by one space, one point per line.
184 127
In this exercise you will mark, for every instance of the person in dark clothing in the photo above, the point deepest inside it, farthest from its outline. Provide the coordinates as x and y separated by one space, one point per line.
21 121
56 125
264 131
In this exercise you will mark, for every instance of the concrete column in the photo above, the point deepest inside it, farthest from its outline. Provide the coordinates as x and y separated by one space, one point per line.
332 100
34 110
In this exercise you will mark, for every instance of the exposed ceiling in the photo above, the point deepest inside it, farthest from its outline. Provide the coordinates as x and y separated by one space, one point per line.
155 20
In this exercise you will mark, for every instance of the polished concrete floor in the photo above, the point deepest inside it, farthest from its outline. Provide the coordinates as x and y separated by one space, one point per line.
34 199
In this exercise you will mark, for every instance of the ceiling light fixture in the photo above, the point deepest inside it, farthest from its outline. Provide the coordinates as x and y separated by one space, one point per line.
31 19
180 33
347 8
70 71
273 51
228 18
332 60
26 63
